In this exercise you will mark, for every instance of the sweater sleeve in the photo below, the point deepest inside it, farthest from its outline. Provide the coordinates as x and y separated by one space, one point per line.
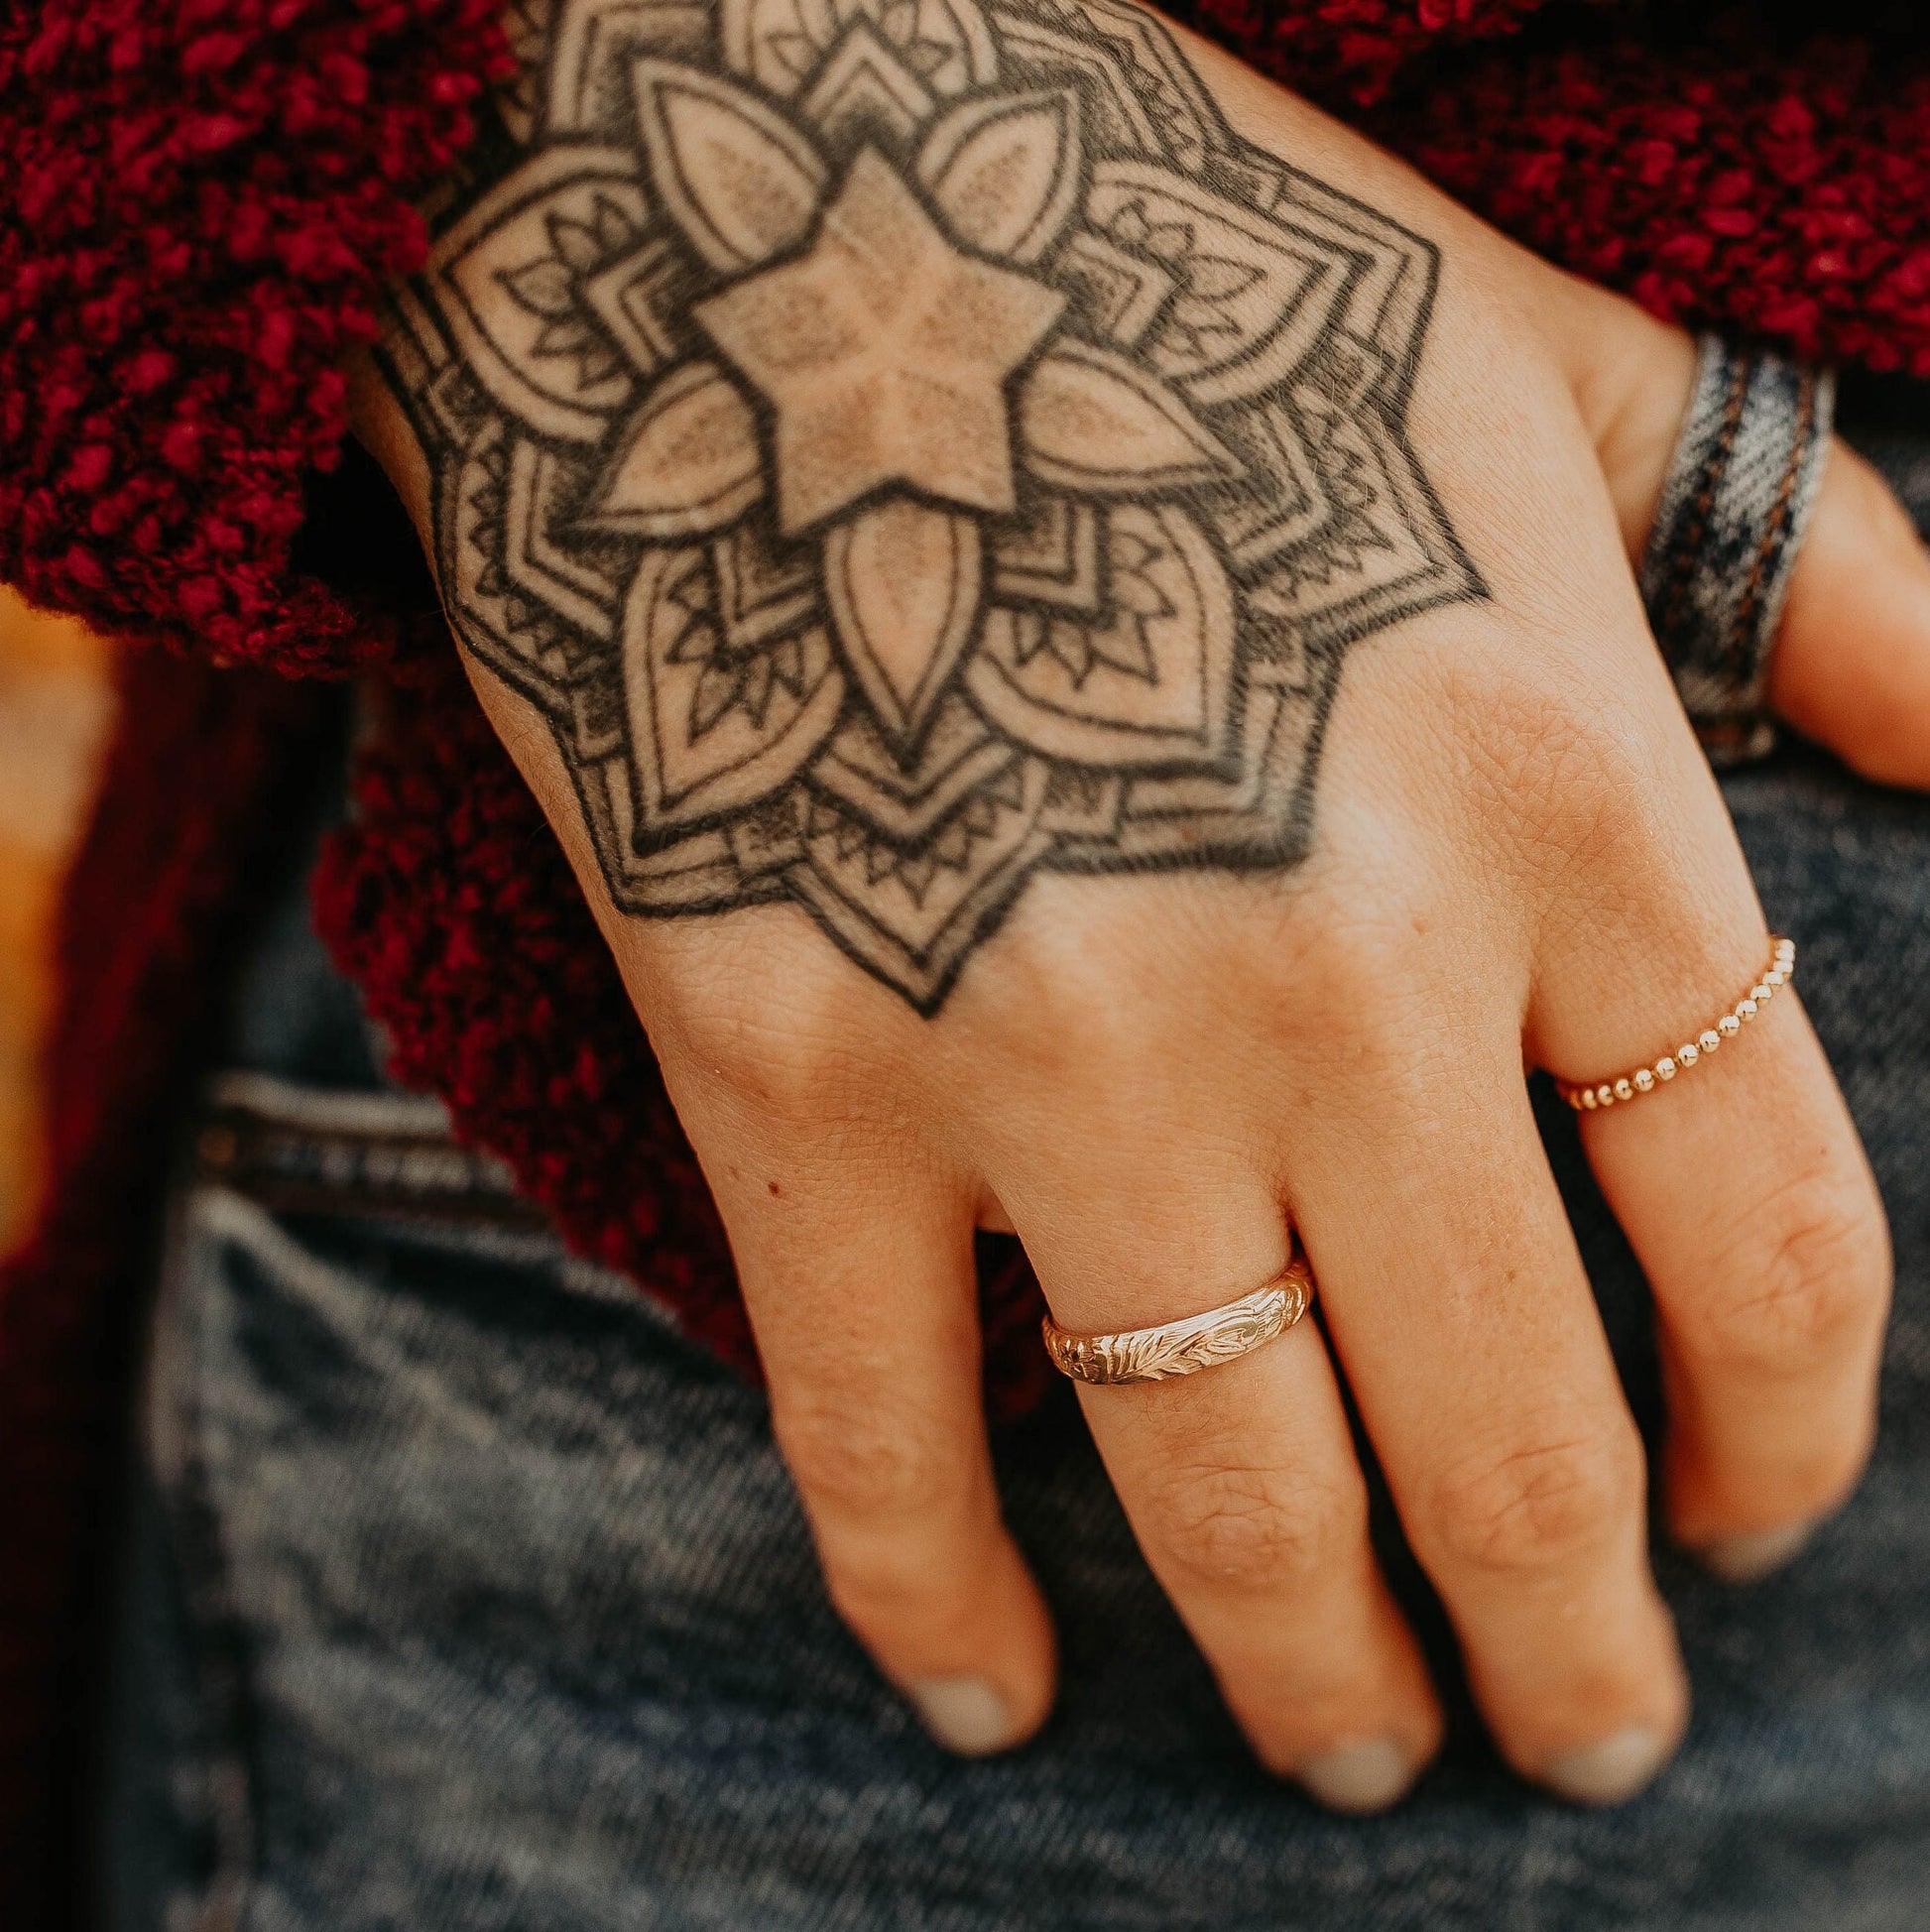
205 197
208 194
1765 172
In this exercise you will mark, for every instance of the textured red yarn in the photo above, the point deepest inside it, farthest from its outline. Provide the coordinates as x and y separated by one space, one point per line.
1350 52
201 199
1732 174
160 869
1785 201
1776 193
449 902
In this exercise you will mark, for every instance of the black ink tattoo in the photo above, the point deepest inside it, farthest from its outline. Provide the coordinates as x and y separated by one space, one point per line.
903 445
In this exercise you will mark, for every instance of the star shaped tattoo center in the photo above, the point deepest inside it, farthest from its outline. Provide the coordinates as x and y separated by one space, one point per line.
907 446
885 352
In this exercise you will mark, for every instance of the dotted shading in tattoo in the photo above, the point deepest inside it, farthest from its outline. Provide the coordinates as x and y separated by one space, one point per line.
904 444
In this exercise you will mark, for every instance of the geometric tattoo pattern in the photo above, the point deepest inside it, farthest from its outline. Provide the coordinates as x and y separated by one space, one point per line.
900 445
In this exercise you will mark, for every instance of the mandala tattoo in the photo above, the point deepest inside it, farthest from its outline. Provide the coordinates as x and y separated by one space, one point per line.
903 445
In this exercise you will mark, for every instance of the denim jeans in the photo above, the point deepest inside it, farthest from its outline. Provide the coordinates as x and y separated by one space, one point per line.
461 1592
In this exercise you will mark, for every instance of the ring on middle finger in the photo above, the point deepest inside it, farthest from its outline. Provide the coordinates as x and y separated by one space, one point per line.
1192 1343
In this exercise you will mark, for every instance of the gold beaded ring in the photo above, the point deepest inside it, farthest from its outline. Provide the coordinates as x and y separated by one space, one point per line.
1590 1096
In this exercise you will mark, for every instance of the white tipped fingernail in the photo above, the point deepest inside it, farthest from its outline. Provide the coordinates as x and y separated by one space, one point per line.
964 1713
1611 1771
1742 1560
1361 1777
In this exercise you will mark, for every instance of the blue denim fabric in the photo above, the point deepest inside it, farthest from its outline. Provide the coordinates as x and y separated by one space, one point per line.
464 1594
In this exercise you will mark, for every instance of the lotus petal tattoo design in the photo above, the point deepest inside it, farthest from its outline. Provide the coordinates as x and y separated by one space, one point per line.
904 444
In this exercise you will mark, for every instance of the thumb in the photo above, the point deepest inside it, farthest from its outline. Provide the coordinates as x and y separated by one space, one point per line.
1851 665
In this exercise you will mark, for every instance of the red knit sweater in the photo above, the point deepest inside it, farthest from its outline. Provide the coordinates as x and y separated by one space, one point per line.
205 195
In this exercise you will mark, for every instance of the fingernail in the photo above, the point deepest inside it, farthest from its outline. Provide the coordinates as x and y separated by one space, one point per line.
1608 1770
1742 1560
1367 1777
964 1713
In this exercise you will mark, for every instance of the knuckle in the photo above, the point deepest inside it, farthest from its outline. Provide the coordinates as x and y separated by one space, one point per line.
1358 987
1564 762
1812 1279
800 1064
881 1593
1593 820
1363 972
1244 1528
1531 736
1062 998
856 1463
1540 1504
898 1519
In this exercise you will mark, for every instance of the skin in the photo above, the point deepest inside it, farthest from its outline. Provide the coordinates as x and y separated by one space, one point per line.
1520 854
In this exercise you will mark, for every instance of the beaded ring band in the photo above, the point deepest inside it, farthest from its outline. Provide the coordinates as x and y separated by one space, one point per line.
1194 1342
1588 1097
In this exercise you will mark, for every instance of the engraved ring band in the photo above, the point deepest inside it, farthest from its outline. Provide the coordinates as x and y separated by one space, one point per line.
1184 1347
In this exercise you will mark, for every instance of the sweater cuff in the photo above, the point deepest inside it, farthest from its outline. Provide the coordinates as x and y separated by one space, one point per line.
204 201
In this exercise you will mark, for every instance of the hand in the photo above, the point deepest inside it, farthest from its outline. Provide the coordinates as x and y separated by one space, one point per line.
1422 803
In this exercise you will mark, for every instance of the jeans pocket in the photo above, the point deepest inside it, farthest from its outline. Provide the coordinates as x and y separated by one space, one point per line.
297 1150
